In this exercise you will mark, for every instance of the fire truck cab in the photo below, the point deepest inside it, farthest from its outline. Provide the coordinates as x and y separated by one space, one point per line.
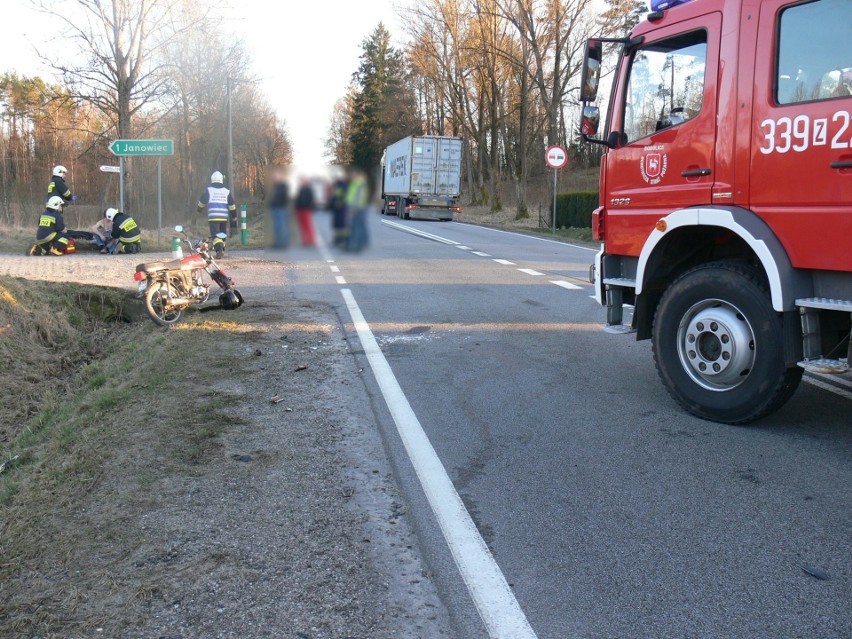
725 210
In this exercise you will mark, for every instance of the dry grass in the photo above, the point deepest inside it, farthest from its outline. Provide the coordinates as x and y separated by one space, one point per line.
94 411
531 224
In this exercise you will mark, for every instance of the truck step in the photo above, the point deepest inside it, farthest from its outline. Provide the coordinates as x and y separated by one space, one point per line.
825 303
618 329
625 282
825 366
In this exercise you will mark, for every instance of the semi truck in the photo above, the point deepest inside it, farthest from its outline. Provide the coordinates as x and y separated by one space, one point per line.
725 211
421 177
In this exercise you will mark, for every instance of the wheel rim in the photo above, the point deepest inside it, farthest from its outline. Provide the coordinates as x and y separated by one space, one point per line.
716 345
159 306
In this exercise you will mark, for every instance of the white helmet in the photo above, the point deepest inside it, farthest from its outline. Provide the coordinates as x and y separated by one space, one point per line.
55 203
217 177
59 170
110 213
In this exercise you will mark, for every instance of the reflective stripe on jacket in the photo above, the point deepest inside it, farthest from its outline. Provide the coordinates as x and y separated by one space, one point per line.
217 204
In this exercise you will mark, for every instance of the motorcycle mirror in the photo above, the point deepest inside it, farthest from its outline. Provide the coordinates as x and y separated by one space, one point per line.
222 236
179 228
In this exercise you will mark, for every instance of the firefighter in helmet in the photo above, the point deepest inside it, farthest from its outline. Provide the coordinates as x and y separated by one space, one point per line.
126 235
51 238
220 206
57 186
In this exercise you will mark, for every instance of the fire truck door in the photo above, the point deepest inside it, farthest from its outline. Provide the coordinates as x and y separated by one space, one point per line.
801 147
665 108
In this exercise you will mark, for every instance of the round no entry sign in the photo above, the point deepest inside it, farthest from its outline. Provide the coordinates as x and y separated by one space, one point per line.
556 157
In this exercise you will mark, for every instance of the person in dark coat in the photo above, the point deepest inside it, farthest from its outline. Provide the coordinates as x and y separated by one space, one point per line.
279 201
126 234
58 186
51 238
305 204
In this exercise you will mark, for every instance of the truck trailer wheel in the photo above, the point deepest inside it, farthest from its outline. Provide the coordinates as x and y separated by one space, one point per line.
718 346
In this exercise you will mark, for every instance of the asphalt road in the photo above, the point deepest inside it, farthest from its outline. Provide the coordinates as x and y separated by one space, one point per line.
609 511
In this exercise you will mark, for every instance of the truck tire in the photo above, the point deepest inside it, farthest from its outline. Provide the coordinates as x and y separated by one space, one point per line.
718 345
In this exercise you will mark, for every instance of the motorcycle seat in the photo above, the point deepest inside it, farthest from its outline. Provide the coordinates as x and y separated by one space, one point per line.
152 267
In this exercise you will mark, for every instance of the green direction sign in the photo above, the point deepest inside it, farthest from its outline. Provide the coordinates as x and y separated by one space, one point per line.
142 147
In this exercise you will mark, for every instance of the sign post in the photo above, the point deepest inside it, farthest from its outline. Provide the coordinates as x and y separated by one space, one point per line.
556 157
243 224
136 148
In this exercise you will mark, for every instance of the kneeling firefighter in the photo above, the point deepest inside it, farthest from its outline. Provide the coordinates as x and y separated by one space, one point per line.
220 206
126 235
51 238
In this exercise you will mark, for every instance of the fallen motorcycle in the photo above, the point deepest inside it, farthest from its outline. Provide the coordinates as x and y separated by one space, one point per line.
171 287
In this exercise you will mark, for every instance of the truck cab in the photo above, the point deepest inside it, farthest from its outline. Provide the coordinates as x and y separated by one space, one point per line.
725 210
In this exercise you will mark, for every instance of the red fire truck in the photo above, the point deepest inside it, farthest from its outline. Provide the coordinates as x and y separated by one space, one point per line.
726 196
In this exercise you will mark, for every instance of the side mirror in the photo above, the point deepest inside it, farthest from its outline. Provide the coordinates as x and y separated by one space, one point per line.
591 74
179 228
590 121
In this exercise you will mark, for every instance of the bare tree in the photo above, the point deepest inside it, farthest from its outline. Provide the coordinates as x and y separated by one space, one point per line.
115 40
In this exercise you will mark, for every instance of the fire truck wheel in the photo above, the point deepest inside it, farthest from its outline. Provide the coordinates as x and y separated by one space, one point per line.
718 346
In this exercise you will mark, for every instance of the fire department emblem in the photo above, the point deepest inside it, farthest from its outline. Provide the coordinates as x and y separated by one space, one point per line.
653 167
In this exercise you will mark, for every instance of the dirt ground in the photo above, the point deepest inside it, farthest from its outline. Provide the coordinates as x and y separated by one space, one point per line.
200 507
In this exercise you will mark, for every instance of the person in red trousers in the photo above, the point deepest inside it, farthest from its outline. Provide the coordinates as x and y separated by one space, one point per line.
304 212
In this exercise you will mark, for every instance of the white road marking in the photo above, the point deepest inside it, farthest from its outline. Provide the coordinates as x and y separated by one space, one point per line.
530 271
463 248
330 261
340 279
335 269
828 387
480 254
497 606
428 236
506 262
568 285
837 379
531 237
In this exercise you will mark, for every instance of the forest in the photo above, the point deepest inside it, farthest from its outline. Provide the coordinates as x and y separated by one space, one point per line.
501 74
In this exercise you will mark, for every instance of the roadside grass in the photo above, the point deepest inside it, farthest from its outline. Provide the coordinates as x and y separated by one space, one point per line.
570 233
96 410
507 220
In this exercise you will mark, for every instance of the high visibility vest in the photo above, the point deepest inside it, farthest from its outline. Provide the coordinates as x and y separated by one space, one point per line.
217 205
356 195
127 227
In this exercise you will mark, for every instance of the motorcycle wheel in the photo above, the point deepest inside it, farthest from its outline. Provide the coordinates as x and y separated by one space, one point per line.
155 304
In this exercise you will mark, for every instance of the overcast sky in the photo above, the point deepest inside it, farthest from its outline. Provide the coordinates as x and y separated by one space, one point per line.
304 55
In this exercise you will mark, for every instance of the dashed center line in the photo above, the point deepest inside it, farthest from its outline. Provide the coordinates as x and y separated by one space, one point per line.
480 254
340 279
505 262
568 285
463 248
530 271
335 269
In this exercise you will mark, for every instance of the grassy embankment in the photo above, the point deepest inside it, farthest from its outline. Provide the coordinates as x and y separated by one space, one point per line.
95 409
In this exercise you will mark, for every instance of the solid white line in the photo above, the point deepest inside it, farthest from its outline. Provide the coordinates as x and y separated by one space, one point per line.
837 379
340 279
463 248
828 387
428 236
567 285
335 269
505 262
530 271
532 237
480 254
497 606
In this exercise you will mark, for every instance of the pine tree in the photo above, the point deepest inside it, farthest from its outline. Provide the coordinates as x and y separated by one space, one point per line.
384 109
